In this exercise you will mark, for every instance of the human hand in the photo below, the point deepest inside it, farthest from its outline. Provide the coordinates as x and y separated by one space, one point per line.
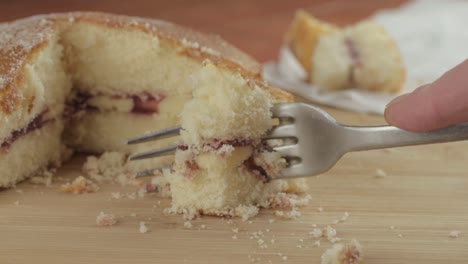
432 106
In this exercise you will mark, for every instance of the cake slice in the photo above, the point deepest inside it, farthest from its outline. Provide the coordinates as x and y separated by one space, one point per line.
303 35
33 89
90 81
361 56
221 166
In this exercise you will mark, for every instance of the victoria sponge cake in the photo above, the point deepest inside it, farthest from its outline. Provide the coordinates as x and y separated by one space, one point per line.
88 81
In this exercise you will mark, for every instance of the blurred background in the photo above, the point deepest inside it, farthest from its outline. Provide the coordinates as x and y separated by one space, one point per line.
256 27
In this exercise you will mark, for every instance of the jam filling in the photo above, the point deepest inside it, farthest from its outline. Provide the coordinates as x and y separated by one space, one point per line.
257 169
355 57
249 163
38 122
144 103
216 144
353 52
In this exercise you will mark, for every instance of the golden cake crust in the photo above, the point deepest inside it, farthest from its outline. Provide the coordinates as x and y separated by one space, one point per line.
303 35
21 40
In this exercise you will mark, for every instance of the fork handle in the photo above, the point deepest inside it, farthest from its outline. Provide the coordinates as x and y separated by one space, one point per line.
378 137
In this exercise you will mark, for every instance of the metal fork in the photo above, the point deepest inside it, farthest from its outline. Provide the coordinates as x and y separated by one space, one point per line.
317 141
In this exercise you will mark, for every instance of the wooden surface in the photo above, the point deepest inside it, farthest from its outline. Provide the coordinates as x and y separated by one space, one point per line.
424 195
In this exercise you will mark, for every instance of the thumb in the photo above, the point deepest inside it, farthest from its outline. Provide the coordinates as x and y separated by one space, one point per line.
437 105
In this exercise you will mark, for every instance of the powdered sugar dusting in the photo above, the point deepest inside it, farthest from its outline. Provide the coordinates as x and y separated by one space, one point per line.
16 41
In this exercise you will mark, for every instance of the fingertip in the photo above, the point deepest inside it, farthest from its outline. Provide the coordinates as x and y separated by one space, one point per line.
392 113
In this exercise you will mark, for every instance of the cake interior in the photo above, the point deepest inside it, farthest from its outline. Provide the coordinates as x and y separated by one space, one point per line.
96 86
222 166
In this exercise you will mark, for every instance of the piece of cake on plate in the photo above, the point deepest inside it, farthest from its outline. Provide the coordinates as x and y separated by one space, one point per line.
361 56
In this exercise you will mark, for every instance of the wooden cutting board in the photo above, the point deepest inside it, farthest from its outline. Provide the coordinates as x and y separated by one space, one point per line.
423 197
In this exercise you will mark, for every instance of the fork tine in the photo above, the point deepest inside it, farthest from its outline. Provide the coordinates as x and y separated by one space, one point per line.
150 172
154 153
292 171
168 132
282 131
288 150
283 110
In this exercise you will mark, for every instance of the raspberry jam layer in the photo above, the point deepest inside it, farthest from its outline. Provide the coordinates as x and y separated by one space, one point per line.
249 163
146 104
38 122
353 53
143 103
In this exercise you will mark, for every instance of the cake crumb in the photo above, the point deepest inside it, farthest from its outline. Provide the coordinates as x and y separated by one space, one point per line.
246 212
234 237
271 220
19 191
203 226
235 230
141 192
110 167
344 217
284 258
133 214
261 243
392 227
379 173
316 233
320 209
16 203
45 178
400 235
188 224
189 214
143 228
455 233
329 232
350 253
293 214
79 185
116 195
104 219
317 243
